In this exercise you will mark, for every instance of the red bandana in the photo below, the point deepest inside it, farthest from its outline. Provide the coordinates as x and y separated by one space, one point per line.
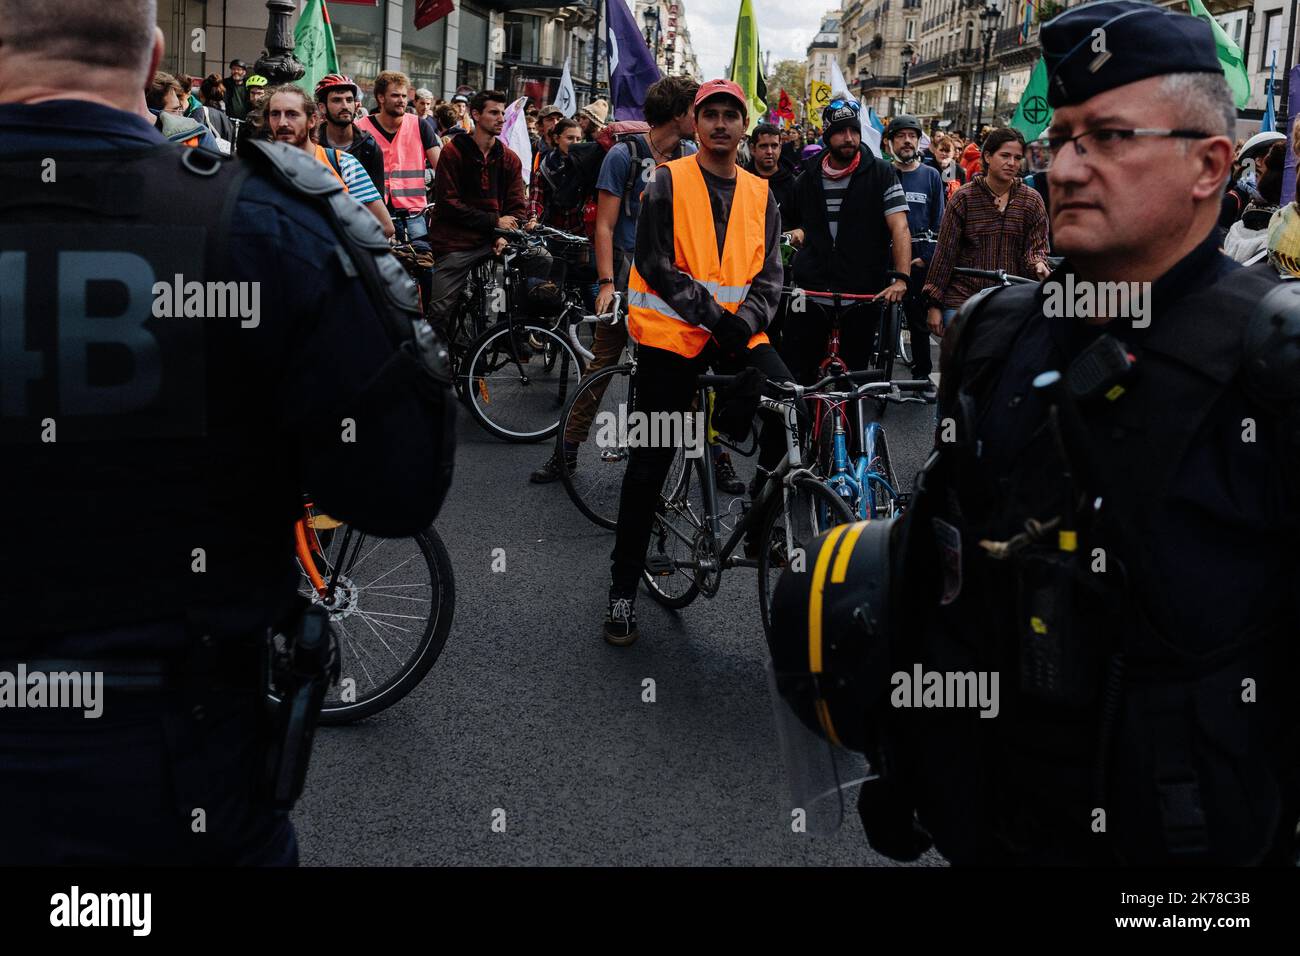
831 173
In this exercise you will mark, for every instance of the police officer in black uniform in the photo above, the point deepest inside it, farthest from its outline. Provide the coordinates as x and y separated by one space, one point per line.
1109 519
155 456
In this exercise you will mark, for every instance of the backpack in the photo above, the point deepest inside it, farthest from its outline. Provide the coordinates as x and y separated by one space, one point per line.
588 157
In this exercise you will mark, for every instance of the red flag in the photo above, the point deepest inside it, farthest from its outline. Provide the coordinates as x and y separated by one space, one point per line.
784 107
431 11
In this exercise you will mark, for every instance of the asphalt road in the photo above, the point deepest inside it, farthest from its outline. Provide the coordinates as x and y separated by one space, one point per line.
531 721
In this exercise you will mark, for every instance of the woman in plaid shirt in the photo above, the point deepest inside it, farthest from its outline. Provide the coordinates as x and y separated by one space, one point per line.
995 222
554 168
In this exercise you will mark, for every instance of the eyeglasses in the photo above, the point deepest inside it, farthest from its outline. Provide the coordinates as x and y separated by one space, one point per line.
1111 143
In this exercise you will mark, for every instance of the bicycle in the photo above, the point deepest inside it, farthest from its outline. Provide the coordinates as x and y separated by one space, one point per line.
516 375
923 244
390 601
687 555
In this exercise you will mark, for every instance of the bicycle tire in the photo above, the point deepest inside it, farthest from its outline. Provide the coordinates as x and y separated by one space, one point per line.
812 495
597 480
887 337
904 351
490 352
885 469
675 524
429 646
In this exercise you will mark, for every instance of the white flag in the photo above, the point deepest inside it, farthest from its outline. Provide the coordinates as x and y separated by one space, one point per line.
838 86
565 98
870 128
514 133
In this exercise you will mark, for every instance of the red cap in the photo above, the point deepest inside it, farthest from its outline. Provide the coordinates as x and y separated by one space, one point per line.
721 86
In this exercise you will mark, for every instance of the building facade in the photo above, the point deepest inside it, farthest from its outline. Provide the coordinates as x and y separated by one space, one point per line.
663 23
823 50
481 44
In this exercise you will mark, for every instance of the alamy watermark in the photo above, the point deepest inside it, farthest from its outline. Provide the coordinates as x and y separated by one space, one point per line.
22 689
1098 300
208 300
946 689
624 429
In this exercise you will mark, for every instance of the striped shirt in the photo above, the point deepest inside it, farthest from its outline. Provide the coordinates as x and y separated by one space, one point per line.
976 235
356 178
836 189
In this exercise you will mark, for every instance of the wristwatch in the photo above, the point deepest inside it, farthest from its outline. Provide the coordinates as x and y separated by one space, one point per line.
604 282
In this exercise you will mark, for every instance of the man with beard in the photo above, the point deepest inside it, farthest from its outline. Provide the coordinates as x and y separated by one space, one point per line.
338 97
703 287
290 116
479 188
768 162
848 208
407 145
924 190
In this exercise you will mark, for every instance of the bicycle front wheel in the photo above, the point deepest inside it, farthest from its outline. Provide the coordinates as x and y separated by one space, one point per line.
592 417
391 603
671 560
516 390
809 508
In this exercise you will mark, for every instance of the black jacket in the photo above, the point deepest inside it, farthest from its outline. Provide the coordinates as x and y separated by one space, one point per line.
781 184
857 261
367 151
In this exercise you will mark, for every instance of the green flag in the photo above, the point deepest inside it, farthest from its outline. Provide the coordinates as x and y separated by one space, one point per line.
1230 58
745 68
313 39
1033 114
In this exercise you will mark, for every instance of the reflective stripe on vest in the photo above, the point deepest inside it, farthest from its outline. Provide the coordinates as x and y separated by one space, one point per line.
324 158
404 161
651 320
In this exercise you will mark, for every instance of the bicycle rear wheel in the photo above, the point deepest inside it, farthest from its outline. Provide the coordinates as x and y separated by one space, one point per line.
809 508
514 391
391 605
887 336
881 483
601 458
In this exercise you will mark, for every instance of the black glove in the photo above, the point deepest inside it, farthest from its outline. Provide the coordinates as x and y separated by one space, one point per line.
732 334
736 404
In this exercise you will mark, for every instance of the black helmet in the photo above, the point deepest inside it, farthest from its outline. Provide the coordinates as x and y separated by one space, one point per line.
829 633
1272 352
901 122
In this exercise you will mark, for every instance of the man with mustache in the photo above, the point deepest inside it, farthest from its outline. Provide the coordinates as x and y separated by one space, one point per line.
1102 480
338 98
290 118
701 292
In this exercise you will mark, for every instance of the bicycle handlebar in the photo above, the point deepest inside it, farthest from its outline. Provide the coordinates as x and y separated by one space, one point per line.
997 275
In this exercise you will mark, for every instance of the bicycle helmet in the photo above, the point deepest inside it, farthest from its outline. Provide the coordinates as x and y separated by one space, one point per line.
334 81
255 79
901 122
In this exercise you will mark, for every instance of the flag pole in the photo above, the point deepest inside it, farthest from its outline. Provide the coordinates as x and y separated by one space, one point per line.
1286 75
595 55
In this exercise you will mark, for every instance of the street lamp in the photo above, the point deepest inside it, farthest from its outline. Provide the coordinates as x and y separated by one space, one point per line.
990 16
278 64
908 53
652 30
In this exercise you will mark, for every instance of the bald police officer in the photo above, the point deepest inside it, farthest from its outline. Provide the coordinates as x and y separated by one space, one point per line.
184 339
1110 521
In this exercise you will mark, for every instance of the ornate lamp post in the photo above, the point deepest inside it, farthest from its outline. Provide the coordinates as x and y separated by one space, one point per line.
908 53
278 64
990 15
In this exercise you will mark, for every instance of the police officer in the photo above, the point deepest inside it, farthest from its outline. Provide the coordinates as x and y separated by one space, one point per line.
185 340
1108 521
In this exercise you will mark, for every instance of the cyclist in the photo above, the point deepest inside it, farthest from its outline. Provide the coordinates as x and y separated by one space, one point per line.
703 287
996 222
924 190
339 98
768 161
848 208
291 118
407 145
478 189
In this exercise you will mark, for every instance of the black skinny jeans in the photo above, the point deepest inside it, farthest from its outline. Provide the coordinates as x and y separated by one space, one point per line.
666 382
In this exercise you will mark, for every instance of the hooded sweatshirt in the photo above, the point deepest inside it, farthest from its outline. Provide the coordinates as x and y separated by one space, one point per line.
1247 238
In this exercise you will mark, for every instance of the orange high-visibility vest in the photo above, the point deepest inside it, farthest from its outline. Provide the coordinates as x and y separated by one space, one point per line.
650 319
324 158
404 161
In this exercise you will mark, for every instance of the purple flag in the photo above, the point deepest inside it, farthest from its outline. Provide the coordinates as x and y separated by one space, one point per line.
631 67
1293 106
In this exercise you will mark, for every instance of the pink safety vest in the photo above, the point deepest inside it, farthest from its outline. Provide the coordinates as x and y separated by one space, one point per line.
404 162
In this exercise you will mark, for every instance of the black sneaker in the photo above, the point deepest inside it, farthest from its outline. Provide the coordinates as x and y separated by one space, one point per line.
620 619
931 394
550 470
724 475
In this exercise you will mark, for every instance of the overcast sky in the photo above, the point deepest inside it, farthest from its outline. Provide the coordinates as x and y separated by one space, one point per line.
786 28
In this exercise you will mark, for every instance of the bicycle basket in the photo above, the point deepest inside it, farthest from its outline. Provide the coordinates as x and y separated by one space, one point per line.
544 296
414 261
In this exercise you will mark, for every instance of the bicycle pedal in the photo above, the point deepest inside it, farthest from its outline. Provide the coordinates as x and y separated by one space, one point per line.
660 565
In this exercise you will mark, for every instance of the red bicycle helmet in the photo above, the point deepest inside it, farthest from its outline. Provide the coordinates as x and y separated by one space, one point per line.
333 81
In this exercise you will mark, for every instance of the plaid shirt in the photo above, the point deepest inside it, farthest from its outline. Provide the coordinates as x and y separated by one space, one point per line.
975 235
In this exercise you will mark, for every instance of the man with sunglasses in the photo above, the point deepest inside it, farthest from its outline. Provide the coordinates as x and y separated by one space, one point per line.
848 219
1111 511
